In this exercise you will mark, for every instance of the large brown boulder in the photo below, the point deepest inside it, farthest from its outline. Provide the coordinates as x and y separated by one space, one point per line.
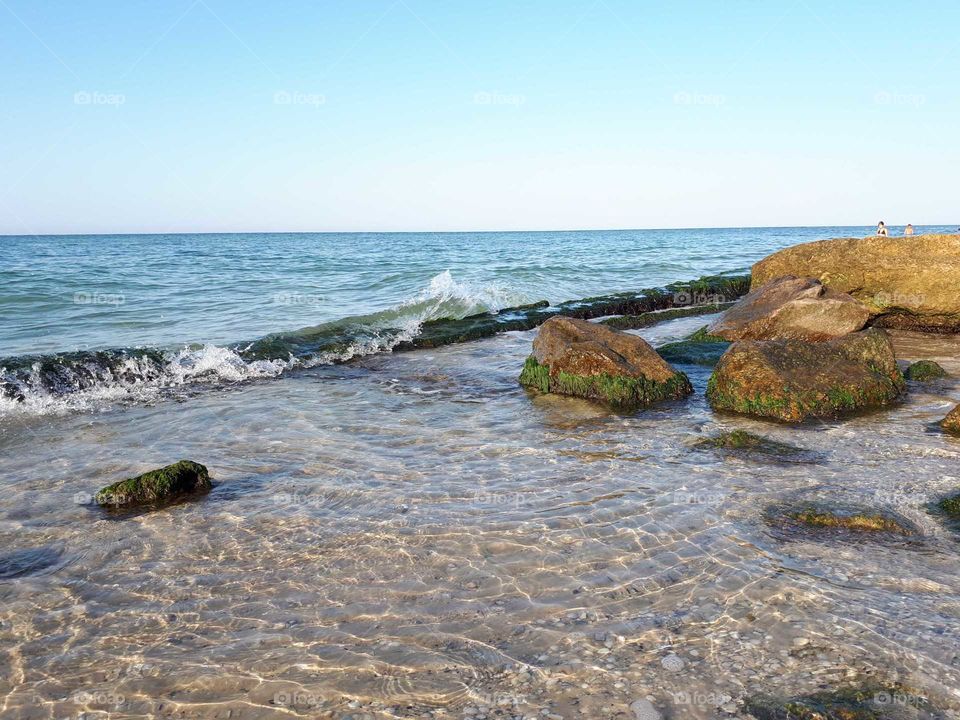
792 380
911 281
584 359
792 308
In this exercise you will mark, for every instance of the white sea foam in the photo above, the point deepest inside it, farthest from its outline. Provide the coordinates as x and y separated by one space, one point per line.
140 379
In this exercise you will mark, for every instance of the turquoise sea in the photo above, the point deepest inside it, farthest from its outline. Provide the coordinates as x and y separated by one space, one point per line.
412 534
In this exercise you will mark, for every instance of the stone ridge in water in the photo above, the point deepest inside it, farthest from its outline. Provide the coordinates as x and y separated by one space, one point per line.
181 478
709 290
649 319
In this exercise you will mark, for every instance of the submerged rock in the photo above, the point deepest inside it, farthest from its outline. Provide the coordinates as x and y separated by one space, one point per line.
792 308
700 348
924 371
793 380
844 520
868 702
951 423
588 360
741 441
167 483
951 506
911 282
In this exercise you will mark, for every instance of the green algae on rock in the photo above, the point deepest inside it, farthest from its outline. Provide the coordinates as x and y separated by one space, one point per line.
867 702
793 380
182 478
924 371
845 520
648 319
711 289
743 441
950 506
588 360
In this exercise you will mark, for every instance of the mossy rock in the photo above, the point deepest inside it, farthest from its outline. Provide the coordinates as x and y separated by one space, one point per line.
617 391
156 486
589 360
743 442
841 521
699 348
794 380
868 702
950 506
925 371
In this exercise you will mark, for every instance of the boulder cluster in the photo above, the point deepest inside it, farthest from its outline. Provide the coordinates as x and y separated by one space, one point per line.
806 342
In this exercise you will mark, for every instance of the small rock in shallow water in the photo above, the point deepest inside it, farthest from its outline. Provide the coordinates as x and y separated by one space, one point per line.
182 478
643 709
924 371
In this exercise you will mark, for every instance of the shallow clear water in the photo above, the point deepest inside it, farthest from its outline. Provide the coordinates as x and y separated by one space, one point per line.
413 535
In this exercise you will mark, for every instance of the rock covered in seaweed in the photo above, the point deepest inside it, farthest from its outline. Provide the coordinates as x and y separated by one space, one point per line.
911 282
588 360
925 371
793 380
792 308
156 486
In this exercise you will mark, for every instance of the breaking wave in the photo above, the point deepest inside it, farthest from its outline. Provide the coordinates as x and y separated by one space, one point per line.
83 380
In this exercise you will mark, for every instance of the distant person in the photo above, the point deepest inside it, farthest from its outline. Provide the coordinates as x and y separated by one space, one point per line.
908 230
882 229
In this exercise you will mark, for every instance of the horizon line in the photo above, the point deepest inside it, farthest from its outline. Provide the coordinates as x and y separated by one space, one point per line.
456 232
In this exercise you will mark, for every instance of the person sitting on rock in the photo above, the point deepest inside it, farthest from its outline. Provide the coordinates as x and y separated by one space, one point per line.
882 228
908 230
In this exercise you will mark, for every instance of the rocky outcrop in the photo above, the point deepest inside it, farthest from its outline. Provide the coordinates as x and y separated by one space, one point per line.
910 282
588 360
157 486
793 380
951 423
792 308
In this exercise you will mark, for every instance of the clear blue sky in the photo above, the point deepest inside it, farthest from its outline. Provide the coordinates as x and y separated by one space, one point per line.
233 115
